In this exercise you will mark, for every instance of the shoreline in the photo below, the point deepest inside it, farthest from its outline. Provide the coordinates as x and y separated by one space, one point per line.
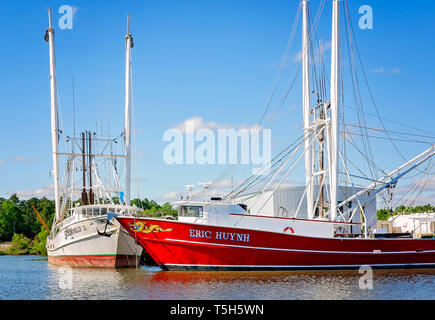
4 247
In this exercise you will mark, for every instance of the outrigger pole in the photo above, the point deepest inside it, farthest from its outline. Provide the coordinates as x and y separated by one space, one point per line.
307 110
334 94
49 36
390 180
127 115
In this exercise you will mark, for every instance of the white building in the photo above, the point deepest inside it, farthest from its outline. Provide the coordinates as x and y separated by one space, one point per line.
417 224
286 201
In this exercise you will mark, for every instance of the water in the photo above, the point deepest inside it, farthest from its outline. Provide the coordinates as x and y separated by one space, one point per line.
32 278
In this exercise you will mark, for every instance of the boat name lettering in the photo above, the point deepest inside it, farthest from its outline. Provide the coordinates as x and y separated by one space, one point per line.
218 235
71 231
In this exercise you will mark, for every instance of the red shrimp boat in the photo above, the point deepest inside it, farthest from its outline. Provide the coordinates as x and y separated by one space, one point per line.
221 235
176 245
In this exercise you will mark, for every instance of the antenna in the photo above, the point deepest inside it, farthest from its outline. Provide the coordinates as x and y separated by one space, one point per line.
189 189
101 108
74 106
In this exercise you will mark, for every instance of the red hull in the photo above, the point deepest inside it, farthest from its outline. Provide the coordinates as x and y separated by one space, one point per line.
176 245
109 261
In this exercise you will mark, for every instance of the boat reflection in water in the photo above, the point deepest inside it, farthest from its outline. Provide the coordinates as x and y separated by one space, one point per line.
153 284
41 280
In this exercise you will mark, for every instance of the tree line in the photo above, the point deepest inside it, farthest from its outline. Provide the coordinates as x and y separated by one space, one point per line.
384 214
20 225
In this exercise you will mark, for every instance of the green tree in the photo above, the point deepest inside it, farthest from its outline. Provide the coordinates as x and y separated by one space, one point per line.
383 214
20 245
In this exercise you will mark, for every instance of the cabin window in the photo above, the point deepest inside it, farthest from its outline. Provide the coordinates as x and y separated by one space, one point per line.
89 211
96 211
104 211
191 211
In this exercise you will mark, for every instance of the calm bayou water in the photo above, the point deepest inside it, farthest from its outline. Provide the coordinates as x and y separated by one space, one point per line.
31 277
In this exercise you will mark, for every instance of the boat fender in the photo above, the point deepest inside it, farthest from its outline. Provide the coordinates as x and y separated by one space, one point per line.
289 229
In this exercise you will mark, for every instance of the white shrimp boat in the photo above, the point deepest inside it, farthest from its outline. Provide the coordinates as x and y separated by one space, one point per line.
84 232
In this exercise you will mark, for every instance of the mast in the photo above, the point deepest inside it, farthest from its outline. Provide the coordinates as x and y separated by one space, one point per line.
49 36
84 195
334 94
91 194
127 116
307 110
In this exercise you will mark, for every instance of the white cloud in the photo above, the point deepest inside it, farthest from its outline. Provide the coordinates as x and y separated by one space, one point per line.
17 159
325 47
46 191
171 196
382 70
198 123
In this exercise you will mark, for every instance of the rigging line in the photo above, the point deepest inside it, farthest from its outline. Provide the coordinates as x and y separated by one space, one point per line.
280 168
357 94
361 172
366 80
410 191
281 67
230 168
421 191
258 179
423 172
347 139
415 184
262 177
289 171
311 36
408 194
281 154
374 164
394 139
393 121
391 131
314 79
318 79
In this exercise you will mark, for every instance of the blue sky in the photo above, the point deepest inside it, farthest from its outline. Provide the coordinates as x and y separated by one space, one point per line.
210 59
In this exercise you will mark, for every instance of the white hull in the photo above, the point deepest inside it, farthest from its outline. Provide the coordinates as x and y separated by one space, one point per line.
76 242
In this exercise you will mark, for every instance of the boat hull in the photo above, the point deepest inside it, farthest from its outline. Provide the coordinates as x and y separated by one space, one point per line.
185 246
94 261
79 244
